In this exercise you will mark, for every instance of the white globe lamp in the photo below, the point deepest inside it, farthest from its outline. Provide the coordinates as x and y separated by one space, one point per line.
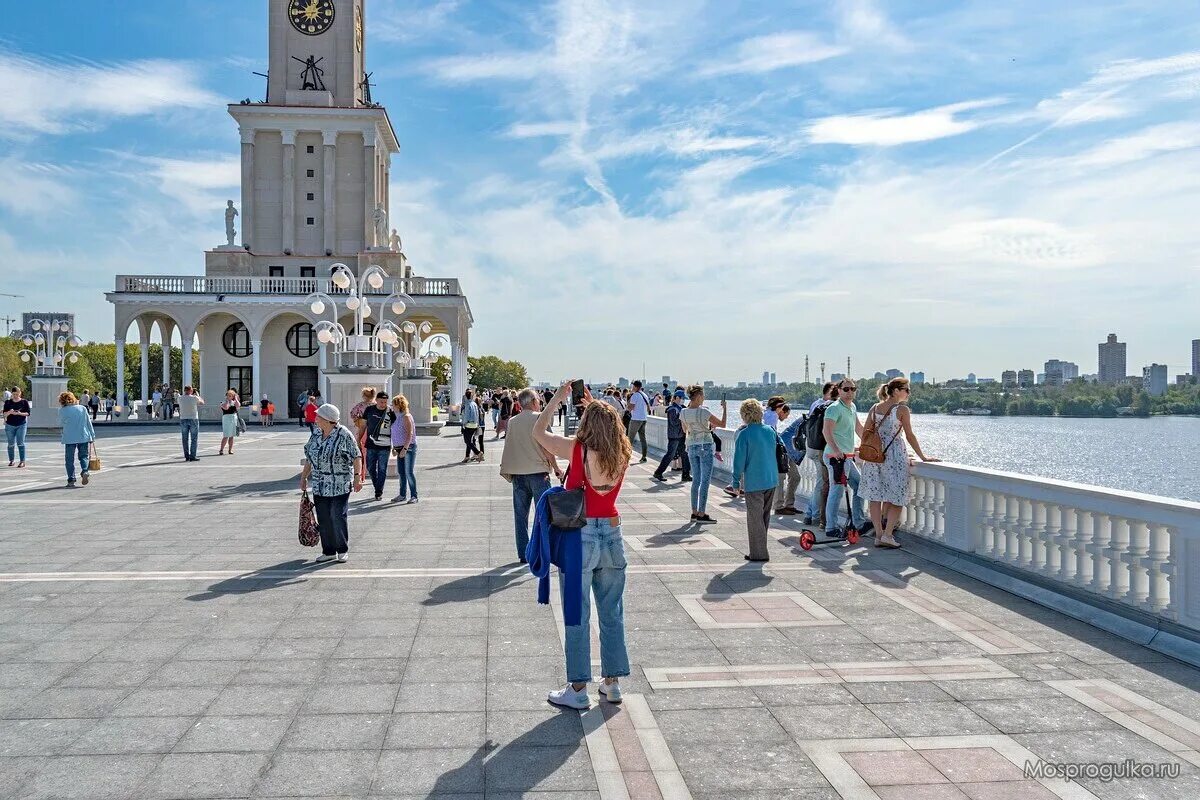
375 280
317 307
353 303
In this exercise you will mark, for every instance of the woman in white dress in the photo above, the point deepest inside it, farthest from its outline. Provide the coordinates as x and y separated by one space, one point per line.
885 486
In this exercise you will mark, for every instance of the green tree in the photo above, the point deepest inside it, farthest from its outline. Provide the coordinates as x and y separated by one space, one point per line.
491 372
441 371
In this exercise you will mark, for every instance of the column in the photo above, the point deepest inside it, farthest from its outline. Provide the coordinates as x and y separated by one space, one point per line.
458 370
256 369
120 387
369 192
186 339
321 369
144 344
329 139
247 185
289 191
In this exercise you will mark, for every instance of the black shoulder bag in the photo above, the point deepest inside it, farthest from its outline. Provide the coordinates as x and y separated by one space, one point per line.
567 507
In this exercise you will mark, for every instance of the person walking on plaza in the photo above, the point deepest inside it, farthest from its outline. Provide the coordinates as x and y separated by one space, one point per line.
264 408
310 413
168 402
754 465
885 486
639 411
599 455
77 436
698 423
841 423
85 399
526 465
470 426
356 410
94 405
814 451
796 455
110 403
377 439
302 404
333 467
156 402
789 482
479 440
404 445
189 422
676 447
506 413
16 419
229 419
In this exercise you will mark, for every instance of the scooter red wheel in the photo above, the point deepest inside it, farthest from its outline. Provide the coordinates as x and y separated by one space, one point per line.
807 540
852 536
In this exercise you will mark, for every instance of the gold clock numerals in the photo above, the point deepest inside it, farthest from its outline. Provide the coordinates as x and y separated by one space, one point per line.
311 17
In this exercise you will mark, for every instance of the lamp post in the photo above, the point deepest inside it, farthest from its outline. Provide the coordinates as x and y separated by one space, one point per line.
49 348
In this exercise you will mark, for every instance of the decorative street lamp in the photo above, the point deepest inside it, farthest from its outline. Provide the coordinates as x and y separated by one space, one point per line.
355 348
50 342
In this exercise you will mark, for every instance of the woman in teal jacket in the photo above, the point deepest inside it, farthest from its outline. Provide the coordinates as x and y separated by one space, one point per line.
754 463
77 436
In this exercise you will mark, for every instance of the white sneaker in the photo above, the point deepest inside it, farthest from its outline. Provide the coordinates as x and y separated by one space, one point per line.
399 499
342 557
612 691
569 698
413 500
323 559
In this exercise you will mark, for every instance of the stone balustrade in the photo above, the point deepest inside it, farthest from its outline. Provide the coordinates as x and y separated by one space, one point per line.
199 284
1139 551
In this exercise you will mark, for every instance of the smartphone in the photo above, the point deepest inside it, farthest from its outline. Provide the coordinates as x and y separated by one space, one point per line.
724 397
577 392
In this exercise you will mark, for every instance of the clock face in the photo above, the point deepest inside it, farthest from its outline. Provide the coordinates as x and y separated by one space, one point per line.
311 17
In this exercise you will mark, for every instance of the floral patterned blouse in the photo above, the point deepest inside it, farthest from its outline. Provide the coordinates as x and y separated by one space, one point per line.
332 458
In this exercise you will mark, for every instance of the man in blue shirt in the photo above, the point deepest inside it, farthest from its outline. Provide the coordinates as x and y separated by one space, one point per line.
675 440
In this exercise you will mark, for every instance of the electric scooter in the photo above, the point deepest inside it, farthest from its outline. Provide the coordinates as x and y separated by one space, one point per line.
809 540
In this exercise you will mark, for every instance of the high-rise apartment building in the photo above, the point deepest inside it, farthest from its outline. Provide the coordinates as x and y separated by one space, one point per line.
916 378
1112 360
894 373
1154 379
1025 378
1059 372
766 378
774 381
1009 378
1196 359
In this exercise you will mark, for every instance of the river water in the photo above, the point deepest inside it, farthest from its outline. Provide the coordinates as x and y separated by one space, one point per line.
1159 455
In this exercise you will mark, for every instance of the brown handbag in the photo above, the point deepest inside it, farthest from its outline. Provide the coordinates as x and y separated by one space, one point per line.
309 532
871 449
93 457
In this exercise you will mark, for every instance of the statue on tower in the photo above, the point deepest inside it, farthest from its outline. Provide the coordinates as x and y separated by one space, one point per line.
381 226
230 213
311 75
394 241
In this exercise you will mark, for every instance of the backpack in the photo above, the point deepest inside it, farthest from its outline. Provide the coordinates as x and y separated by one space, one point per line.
871 448
814 429
799 441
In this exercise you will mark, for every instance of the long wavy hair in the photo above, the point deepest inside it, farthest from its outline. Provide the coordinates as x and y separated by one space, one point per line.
600 431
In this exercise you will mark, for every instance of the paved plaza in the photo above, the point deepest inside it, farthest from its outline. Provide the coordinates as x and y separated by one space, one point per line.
163 635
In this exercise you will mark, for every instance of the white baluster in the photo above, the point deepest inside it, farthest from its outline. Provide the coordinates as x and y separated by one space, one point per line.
1051 525
1012 532
1135 562
1102 533
1156 557
1065 538
1083 543
1118 546
939 514
1037 536
1024 533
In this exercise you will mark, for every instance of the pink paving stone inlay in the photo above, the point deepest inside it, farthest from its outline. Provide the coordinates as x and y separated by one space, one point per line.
893 767
1007 790
1163 725
733 615
936 791
793 614
1111 698
973 765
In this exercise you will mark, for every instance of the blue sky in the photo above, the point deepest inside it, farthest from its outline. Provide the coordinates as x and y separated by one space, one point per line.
712 189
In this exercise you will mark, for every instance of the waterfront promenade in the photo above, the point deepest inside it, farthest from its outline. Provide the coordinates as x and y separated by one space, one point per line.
162 635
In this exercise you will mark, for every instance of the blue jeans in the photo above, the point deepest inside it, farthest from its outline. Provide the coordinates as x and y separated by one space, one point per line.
189 430
526 489
604 575
701 458
15 434
675 449
836 490
816 502
377 463
406 468
74 451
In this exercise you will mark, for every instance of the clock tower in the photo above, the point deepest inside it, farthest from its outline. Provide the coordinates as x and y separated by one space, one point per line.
316 156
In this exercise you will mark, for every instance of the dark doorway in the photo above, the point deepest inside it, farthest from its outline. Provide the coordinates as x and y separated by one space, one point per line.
300 379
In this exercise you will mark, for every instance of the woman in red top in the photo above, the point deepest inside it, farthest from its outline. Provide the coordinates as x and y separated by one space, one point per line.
310 413
599 455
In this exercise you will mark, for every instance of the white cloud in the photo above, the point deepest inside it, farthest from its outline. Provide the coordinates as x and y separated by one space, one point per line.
530 130
862 21
407 21
1016 241
885 129
493 66
1144 144
54 97
35 189
775 51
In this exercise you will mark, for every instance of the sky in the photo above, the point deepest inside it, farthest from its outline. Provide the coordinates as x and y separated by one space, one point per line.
701 189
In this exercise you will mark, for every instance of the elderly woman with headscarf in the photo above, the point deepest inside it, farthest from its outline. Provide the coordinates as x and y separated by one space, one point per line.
334 467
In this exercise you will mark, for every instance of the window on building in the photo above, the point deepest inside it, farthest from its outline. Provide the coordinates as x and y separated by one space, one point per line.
308 272
236 340
241 380
275 272
310 173
310 220
368 328
309 149
301 341
309 196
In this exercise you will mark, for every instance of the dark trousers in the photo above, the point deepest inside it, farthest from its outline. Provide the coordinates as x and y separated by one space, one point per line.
377 464
469 436
675 449
637 430
758 519
335 527
526 490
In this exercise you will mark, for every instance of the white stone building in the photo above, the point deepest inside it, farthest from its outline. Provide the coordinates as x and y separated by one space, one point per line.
316 159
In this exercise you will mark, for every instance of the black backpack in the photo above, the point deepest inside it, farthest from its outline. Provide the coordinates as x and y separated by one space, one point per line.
814 433
800 440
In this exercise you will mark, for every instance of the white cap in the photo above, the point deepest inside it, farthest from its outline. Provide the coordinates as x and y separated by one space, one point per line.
330 412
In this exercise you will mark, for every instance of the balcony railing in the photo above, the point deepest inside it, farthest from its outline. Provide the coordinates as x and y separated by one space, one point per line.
199 284
1137 551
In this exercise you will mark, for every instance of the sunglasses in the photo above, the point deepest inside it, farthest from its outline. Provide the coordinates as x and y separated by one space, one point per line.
849 389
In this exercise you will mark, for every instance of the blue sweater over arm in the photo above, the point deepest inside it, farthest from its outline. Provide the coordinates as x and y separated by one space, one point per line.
564 549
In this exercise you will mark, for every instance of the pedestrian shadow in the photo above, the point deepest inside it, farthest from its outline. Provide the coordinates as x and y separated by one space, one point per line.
287 573
448 465
745 578
20 492
521 765
218 493
475 587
